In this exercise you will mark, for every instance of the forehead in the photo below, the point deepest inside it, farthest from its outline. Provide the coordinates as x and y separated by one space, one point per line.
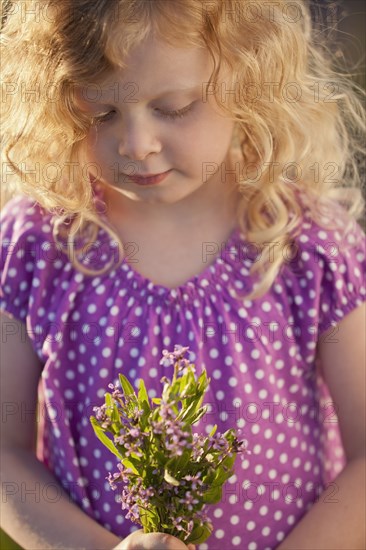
155 67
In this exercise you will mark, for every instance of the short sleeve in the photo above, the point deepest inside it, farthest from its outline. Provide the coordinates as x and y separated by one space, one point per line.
336 258
25 235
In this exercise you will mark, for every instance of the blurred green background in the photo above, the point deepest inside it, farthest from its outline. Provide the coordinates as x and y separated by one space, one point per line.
6 543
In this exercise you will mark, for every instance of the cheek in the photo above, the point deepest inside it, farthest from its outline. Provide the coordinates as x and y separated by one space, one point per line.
96 156
221 128
98 146
207 140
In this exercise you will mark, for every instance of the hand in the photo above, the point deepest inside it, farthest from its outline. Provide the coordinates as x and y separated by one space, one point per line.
138 540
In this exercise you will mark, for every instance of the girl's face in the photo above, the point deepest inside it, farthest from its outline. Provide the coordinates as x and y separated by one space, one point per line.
152 119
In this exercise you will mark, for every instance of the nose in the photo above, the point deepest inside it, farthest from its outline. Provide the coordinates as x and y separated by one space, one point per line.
138 140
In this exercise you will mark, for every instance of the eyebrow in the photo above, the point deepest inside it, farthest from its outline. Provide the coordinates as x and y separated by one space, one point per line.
190 89
114 91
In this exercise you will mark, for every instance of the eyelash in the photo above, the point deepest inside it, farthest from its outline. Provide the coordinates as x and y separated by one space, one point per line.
179 113
103 118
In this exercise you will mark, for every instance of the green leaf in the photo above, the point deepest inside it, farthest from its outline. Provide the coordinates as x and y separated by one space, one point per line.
199 534
149 519
213 431
99 432
178 463
142 395
213 495
126 385
109 404
227 464
128 464
160 457
201 412
185 413
170 479
156 400
116 421
209 477
203 381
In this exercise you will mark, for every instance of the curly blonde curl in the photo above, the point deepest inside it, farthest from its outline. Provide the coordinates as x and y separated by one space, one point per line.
299 121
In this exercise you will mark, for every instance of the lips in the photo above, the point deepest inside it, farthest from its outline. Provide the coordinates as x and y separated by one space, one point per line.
149 179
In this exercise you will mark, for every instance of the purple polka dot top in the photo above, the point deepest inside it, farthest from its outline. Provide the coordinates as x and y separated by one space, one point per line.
259 354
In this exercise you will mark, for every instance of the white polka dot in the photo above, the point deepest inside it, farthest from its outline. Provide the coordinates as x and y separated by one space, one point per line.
120 519
234 520
258 468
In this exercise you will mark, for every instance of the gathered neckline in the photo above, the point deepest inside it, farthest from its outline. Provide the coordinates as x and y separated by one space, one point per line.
214 277
197 284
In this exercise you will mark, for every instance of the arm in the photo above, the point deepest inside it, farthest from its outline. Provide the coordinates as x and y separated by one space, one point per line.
341 524
26 516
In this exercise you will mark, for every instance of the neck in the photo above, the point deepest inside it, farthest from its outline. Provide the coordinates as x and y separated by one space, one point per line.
213 202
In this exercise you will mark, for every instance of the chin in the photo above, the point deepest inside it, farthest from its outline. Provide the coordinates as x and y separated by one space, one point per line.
155 195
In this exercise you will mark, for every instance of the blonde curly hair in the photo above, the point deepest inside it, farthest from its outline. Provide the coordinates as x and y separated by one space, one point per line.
299 122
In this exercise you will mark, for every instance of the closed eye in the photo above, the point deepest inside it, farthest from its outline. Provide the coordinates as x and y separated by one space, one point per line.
178 113
104 117
174 114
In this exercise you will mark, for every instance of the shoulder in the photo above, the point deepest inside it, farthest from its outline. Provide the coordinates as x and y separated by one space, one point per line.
327 262
331 223
22 217
334 241
26 236
27 254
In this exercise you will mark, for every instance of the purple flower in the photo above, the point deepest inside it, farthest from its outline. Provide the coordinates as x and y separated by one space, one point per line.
189 500
195 481
100 413
177 522
176 356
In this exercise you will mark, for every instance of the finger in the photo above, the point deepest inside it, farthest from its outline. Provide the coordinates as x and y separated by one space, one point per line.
163 541
152 541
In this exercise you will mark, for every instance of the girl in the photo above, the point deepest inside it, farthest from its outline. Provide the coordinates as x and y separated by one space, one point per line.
187 174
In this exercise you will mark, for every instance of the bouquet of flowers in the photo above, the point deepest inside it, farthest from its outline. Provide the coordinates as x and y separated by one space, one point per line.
169 474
